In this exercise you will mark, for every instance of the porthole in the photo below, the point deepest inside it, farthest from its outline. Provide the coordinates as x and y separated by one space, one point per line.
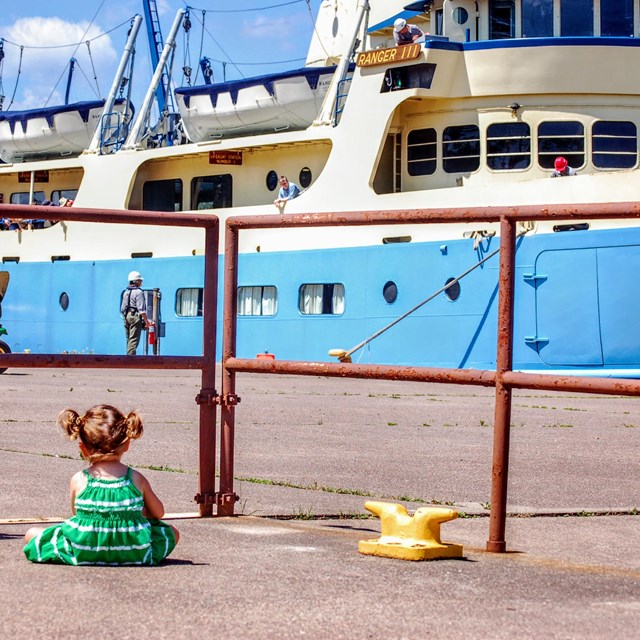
453 290
272 180
390 292
460 15
305 177
64 300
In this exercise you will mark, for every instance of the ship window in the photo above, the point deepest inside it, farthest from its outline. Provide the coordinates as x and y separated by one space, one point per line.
508 146
616 17
305 177
561 138
453 290
257 301
321 299
211 192
272 180
460 15
390 292
421 152
64 301
22 197
461 148
162 195
537 18
614 145
189 302
69 194
502 15
576 17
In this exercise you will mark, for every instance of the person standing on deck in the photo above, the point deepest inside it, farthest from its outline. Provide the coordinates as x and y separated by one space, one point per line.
134 311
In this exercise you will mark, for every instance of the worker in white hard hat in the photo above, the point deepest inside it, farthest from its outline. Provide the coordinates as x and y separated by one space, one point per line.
134 311
404 33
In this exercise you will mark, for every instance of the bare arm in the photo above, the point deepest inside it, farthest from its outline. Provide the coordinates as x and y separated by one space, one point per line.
153 507
76 486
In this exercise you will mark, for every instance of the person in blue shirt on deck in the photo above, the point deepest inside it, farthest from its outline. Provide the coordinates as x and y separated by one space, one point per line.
288 191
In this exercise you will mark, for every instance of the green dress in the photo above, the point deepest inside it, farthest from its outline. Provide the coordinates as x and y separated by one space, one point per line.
108 529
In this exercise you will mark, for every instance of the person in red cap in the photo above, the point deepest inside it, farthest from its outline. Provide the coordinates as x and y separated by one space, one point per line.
562 168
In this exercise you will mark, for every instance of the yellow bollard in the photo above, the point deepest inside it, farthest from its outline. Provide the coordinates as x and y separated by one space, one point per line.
408 537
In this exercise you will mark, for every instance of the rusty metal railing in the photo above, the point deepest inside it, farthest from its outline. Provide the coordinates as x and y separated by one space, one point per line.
208 397
503 378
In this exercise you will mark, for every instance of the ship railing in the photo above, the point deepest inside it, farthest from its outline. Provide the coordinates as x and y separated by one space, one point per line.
341 98
112 132
207 398
503 379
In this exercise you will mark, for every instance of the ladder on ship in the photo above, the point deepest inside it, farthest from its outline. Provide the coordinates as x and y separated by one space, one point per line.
156 45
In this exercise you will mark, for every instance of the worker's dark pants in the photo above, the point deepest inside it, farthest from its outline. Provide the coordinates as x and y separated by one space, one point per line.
133 324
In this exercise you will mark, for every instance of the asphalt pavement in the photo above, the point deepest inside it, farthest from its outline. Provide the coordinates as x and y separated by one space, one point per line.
309 453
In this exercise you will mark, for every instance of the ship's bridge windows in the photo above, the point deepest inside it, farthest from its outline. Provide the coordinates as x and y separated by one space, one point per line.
257 301
561 138
616 17
422 151
461 148
189 302
502 19
537 18
576 18
162 195
614 144
321 299
211 192
508 146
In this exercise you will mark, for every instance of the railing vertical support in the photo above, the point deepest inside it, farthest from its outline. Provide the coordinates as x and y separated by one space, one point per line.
504 361
208 395
229 397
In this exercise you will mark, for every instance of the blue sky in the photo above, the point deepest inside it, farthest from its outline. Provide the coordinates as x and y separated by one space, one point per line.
253 37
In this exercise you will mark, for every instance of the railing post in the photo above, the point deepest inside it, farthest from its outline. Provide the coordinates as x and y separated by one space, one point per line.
504 360
229 398
208 397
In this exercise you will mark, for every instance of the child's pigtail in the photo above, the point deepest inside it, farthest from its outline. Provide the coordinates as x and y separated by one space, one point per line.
134 425
71 422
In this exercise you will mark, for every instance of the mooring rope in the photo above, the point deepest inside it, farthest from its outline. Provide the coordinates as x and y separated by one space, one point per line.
345 356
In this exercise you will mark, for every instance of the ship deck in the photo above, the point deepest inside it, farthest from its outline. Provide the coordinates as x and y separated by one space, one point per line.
309 453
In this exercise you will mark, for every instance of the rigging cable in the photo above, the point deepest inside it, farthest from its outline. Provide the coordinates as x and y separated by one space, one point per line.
204 13
313 22
15 88
273 6
1 70
345 356
186 48
95 76
76 49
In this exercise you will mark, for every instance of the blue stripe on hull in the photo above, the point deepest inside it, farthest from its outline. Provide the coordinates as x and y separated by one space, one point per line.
577 304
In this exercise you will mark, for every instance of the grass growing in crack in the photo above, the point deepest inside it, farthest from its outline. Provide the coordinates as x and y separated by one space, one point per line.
162 467
557 425
314 486
304 514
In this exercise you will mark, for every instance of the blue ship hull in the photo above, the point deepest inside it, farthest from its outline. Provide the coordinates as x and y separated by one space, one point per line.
576 307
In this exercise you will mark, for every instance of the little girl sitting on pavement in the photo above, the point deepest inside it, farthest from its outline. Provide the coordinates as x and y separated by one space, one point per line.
116 513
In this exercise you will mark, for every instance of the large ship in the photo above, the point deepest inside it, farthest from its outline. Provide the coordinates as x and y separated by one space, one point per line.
474 113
